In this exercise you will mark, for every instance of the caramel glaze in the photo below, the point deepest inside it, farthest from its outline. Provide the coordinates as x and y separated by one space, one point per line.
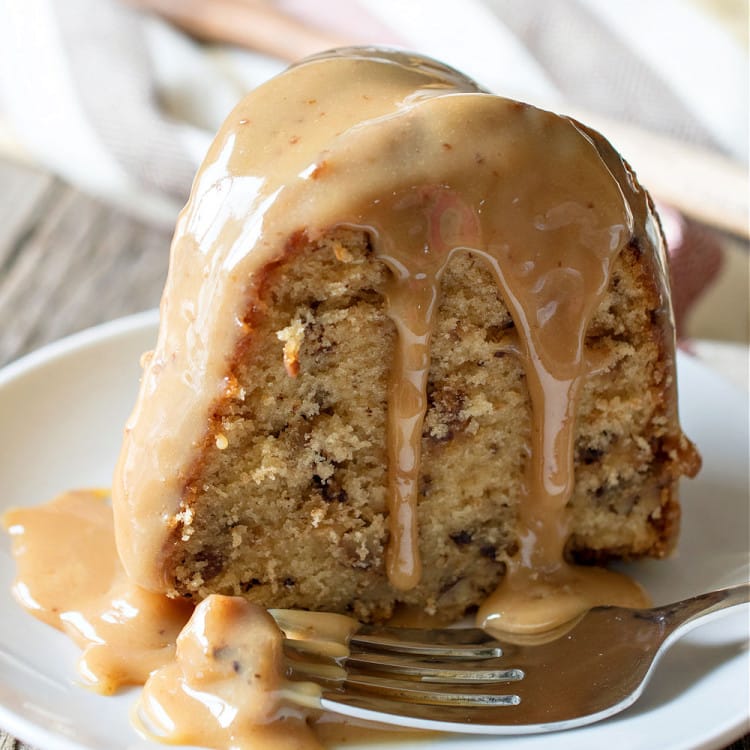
429 165
226 687
70 577
214 676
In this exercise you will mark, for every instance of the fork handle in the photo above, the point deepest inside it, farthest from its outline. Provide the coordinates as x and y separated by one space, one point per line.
689 613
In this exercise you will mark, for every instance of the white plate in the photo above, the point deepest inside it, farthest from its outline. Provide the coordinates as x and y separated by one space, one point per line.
63 409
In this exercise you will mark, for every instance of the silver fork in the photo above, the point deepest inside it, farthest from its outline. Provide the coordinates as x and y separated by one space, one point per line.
465 680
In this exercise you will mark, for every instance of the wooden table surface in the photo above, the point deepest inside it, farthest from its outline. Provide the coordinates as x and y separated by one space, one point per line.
68 262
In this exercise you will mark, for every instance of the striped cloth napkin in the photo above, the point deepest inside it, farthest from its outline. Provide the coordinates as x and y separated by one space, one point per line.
124 105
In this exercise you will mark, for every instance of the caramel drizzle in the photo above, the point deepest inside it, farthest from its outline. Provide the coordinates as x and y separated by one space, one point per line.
439 222
552 306
407 409
69 576
551 303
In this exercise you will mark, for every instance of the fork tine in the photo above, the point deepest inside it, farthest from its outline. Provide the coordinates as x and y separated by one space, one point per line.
316 657
327 672
452 680
467 643
434 694
320 648
327 658
325 633
429 670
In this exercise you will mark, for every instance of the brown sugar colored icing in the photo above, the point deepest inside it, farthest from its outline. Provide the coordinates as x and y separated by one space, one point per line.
552 267
430 166
226 687
70 577
214 676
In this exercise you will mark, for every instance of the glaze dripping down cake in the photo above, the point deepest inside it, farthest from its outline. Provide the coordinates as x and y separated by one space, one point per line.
414 338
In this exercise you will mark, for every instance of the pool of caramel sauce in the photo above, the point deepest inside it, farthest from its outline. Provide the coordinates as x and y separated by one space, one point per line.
213 675
225 653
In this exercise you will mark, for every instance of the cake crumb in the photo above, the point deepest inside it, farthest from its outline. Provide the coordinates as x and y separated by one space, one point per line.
292 336
316 517
342 253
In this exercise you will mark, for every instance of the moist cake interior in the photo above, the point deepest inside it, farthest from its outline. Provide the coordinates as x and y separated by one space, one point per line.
287 502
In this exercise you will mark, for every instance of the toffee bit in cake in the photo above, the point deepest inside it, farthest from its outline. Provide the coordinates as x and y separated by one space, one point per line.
342 253
488 550
447 585
245 586
424 485
210 563
461 538
330 489
500 332
292 336
511 549
445 414
591 455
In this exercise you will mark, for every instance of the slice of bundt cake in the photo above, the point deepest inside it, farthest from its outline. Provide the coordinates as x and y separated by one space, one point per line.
414 338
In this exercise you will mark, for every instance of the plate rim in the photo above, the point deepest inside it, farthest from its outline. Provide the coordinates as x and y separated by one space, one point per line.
77 341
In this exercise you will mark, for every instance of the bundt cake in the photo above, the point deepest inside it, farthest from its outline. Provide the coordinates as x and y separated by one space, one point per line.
414 338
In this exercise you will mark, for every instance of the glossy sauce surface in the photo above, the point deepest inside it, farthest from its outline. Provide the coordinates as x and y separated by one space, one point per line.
226 686
429 166
214 676
70 577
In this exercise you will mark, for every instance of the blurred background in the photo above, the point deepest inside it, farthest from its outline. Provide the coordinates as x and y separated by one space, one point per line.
107 107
